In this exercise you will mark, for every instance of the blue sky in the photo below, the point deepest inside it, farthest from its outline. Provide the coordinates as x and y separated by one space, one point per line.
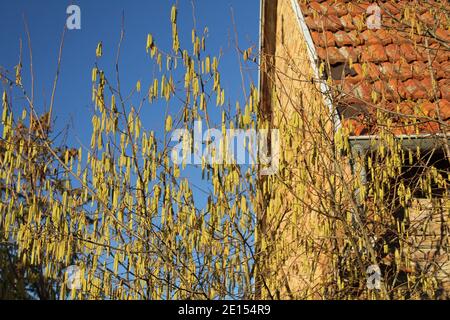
101 21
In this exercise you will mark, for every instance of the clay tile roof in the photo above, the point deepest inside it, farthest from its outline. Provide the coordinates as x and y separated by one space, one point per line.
400 68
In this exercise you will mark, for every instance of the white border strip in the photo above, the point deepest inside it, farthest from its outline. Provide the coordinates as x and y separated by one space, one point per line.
260 45
313 59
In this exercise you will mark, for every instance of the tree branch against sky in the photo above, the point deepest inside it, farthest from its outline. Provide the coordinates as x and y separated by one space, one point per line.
136 224
157 150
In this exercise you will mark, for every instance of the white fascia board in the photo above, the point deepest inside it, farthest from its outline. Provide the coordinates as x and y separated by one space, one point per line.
423 141
324 88
261 3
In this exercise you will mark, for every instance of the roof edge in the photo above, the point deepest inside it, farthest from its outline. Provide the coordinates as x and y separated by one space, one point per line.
425 142
313 57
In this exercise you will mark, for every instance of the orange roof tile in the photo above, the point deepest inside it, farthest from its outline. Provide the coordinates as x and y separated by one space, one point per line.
403 67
